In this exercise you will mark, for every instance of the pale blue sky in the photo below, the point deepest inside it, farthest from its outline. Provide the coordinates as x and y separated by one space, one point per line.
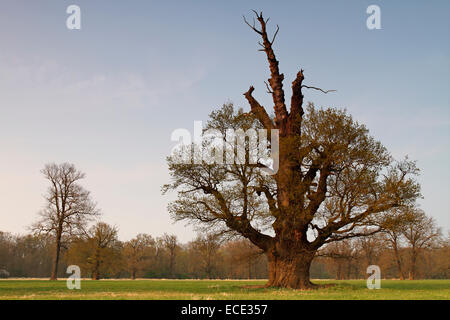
108 96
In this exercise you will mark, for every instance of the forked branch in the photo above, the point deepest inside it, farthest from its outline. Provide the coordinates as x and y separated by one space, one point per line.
253 26
258 110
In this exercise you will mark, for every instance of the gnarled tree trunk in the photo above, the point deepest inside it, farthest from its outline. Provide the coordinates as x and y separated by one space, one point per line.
288 270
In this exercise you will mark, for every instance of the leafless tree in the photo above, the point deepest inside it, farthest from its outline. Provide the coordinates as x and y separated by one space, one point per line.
420 232
207 248
68 207
171 244
137 251
393 228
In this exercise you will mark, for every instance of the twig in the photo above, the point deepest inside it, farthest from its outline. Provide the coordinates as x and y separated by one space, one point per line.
274 36
319 89
252 26
268 88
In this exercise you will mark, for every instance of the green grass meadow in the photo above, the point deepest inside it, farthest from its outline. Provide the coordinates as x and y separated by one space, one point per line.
220 289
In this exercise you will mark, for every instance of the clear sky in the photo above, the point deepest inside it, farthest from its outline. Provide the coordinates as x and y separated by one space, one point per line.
108 96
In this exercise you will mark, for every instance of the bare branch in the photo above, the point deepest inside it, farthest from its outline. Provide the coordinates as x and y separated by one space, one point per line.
253 27
268 88
335 238
275 34
319 89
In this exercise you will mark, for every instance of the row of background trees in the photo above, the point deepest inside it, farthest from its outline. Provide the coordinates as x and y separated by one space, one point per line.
410 245
417 251
100 254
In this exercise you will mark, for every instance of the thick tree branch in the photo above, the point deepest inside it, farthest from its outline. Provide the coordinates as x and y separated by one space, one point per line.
297 100
239 223
276 79
258 110
271 201
317 197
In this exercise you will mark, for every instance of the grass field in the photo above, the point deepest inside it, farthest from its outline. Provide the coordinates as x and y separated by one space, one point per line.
219 289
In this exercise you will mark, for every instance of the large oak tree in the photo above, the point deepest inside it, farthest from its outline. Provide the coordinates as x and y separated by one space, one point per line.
334 180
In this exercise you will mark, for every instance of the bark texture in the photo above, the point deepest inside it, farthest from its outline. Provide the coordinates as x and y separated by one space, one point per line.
290 270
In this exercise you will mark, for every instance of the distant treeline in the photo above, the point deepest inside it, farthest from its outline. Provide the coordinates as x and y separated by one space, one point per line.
100 254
